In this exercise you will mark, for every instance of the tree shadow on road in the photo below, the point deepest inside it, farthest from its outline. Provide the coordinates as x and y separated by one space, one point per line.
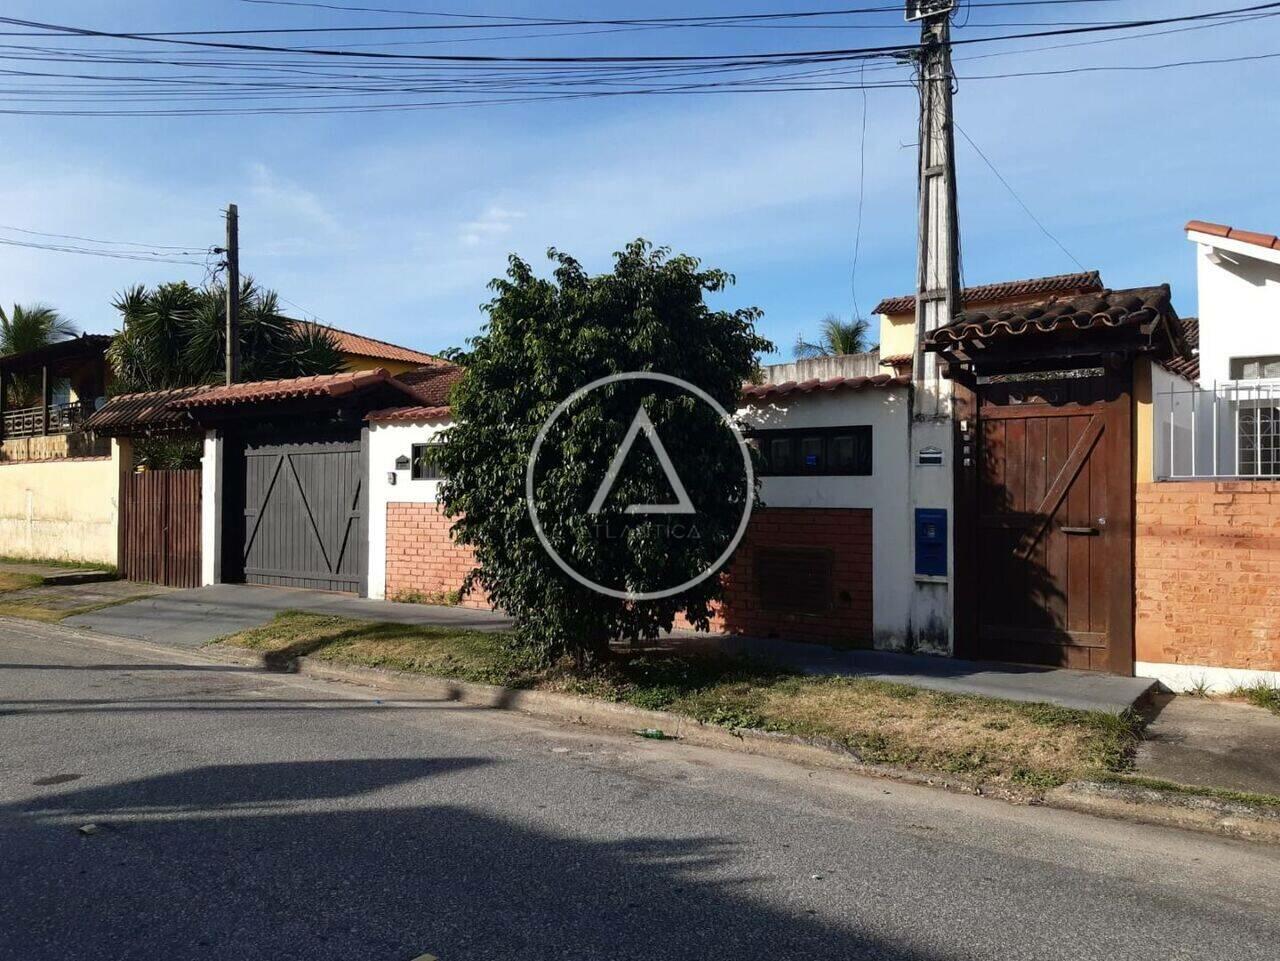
226 862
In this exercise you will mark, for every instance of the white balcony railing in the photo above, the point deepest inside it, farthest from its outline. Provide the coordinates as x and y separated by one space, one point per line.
1228 430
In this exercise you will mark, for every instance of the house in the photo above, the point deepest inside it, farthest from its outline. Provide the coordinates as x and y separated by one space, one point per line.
63 482
1208 497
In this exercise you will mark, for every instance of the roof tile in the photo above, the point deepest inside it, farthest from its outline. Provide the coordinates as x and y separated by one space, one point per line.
147 410
322 385
1005 290
758 392
350 343
393 414
1269 241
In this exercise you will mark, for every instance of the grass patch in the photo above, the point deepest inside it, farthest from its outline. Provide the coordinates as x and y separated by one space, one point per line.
1031 746
12 581
72 565
1262 695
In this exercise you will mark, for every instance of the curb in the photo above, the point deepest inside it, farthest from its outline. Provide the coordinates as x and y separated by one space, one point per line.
1118 801
1194 812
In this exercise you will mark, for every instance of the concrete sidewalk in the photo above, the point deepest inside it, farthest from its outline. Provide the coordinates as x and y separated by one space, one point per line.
1082 690
190 618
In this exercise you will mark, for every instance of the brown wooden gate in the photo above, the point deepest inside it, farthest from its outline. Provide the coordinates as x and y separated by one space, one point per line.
1053 582
160 527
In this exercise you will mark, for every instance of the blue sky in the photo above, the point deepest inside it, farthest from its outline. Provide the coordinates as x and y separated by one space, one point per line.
392 224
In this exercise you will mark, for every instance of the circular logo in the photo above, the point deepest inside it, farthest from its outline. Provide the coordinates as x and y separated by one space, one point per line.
641 425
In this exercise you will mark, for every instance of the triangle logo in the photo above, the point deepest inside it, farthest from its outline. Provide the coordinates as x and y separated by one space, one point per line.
642 423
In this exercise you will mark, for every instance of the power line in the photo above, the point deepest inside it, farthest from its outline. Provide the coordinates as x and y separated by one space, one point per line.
1014 194
113 255
182 249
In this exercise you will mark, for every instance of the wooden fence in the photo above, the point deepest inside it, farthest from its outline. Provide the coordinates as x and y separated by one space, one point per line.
160 527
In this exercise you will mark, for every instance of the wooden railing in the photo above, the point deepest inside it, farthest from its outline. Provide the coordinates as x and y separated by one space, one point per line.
30 421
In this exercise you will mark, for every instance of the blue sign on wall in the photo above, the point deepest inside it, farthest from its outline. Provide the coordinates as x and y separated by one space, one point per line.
931 542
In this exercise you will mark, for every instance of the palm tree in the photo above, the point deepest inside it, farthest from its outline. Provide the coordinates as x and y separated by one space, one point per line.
27 328
174 335
837 337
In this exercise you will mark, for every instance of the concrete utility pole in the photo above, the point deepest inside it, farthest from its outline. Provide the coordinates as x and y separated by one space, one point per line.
937 301
233 294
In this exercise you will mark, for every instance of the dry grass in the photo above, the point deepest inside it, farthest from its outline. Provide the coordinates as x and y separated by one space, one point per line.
11 581
1027 745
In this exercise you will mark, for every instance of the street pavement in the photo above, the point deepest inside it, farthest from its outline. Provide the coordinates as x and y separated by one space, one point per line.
244 815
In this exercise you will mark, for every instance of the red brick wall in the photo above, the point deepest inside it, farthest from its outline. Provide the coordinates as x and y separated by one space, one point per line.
422 558
1208 574
843 618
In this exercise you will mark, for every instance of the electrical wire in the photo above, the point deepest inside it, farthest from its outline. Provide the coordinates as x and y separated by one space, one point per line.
1014 194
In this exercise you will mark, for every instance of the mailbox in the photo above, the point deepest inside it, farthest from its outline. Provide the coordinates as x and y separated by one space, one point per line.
931 542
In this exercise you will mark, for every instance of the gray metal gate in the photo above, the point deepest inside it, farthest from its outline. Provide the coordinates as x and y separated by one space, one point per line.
304 515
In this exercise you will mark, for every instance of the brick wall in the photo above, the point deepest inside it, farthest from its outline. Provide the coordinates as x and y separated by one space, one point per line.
1208 574
422 558
774 568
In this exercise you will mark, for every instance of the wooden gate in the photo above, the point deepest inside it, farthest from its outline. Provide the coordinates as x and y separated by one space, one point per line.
1053 581
304 514
160 527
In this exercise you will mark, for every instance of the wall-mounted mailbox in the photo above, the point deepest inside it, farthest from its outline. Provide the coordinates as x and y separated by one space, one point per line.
929 457
402 462
931 542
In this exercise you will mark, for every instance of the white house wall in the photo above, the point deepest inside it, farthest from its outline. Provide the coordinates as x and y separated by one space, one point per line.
884 493
1239 294
387 441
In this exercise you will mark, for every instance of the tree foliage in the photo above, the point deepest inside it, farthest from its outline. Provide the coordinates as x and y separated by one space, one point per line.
174 335
27 328
835 336
545 339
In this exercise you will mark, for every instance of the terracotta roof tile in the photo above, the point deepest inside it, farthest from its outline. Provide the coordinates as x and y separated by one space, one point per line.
1187 365
1108 308
758 392
434 383
409 414
363 346
1005 290
1270 241
896 360
144 411
323 385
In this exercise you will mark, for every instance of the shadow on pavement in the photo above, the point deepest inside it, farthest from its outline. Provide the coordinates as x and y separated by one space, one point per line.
223 862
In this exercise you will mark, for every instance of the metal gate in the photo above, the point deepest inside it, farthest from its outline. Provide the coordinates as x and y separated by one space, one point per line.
1053 567
160 527
304 515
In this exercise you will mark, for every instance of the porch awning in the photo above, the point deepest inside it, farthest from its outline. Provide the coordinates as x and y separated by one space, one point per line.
144 413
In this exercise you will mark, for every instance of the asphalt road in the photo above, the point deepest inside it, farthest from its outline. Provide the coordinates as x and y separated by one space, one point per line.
244 815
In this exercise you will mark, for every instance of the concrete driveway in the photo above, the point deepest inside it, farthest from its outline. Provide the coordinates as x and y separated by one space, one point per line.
190 618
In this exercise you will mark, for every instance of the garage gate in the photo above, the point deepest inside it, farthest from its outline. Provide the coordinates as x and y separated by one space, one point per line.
304 515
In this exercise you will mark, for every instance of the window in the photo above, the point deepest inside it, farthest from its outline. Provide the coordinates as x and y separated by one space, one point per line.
818 452
423 465
1258 441
1255 368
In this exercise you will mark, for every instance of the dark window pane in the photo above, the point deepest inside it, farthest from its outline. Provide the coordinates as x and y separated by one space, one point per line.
780 459
811 453
424 466
841 453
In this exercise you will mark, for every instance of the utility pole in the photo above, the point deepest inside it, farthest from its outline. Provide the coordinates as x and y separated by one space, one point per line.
931 446
233 294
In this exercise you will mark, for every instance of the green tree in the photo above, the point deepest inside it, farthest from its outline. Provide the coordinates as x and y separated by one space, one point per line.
835 337
174 335
28 328
546 339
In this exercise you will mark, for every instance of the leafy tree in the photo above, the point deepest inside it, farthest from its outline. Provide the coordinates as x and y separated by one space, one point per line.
174 335
835 337
546 339
28 328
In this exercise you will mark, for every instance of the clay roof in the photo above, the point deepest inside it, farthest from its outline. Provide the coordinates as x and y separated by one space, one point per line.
896 360
757 392
409 414
433 383
145 411
294 388
363 346
1006 290
1107 308
1187 365
1270 241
